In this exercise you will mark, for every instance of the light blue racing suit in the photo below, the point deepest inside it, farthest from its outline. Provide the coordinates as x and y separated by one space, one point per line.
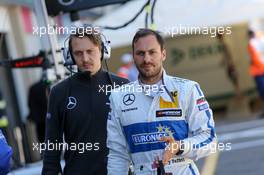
138 120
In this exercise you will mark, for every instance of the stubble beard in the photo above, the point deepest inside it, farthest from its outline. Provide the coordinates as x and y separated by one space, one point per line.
149 76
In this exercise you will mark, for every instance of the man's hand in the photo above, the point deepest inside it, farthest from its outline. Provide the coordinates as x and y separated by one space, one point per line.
171 149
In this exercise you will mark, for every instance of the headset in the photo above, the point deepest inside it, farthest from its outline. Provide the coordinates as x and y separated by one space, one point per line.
68 56
69 60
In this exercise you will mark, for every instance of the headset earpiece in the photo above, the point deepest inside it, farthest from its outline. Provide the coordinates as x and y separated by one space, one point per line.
68 60
68 56
106 50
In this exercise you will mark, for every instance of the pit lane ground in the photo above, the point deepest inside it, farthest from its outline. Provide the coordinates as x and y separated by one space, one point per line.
246 156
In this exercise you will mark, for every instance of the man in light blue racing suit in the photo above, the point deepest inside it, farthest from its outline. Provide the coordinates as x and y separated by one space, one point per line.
159 123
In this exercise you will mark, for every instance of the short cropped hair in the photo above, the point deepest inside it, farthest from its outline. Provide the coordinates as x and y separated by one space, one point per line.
93 35
145 32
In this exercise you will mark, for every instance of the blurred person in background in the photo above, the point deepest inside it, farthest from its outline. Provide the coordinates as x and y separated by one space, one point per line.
133 73
37 103
128 70
256 52
3 117
5 155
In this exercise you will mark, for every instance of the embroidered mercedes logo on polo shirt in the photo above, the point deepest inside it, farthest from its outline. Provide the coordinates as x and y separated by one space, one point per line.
71 103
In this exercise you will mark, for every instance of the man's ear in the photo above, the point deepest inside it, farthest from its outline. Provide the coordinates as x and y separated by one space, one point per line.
163 54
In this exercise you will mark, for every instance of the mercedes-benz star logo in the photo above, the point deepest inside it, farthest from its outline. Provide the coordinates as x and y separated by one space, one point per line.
71 103
128 99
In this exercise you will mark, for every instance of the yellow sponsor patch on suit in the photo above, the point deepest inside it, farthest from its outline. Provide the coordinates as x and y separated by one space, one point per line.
168 104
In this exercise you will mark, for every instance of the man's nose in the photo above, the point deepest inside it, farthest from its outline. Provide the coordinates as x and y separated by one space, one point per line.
85 57
147 58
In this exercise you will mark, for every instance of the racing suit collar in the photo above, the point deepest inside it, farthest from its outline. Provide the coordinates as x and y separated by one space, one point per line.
166 86
166 82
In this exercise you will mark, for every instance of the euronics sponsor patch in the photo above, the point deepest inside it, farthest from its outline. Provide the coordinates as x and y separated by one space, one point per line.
145 136
154 137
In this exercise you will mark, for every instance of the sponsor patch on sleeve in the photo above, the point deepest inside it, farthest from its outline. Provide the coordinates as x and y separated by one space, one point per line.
203 107
169 113
200 100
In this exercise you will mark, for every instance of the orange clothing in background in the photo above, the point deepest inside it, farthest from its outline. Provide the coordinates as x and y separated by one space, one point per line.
257 63
123 71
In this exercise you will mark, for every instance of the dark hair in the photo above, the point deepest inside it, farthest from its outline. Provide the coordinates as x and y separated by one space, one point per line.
93 35
251 33
145 32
